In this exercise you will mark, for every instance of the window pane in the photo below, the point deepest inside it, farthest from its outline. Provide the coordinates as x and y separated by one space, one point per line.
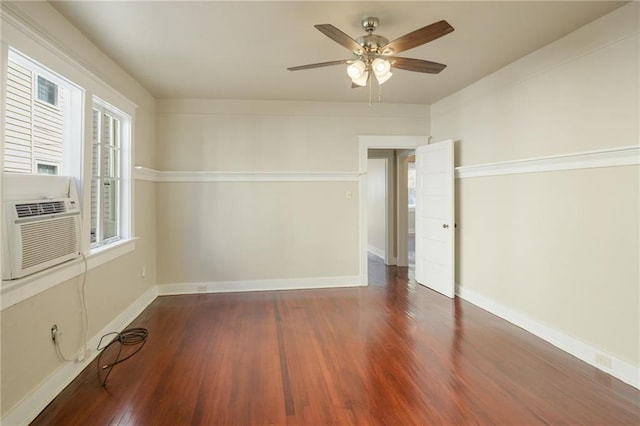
34 131
116 163
96 126
95 160
108 130
47 91
412 175
412 184
116 133
110 208
46 169
94 210
107 162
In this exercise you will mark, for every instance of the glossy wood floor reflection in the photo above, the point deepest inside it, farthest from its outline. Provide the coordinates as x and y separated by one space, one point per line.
394 353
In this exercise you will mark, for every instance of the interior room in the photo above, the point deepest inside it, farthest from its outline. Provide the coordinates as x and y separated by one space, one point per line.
208 174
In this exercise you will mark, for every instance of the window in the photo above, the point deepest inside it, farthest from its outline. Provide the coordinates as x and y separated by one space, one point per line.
46 169
44 134
43 127
412 185
106 173
48 122
47 91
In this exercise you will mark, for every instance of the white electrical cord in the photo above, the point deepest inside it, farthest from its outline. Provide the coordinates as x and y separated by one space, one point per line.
56 343
83 316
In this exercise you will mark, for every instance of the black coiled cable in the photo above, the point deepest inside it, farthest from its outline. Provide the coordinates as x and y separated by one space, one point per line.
129 337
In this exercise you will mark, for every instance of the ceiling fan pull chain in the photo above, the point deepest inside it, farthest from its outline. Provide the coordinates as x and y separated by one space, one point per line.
370 88
379 92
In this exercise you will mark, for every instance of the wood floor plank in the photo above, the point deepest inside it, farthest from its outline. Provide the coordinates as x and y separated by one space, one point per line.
393 353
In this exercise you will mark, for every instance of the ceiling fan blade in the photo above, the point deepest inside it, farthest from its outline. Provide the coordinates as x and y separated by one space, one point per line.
418 37
417 65
338 36
319 65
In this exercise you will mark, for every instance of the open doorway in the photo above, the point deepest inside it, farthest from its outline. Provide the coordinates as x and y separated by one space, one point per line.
434 223
390 207
411 210
396 246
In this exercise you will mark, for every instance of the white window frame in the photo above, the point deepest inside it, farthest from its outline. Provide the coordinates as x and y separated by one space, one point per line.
123 175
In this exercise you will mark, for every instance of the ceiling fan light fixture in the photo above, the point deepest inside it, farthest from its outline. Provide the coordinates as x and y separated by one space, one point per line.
356 70
362 80
381 66
382 78
382 69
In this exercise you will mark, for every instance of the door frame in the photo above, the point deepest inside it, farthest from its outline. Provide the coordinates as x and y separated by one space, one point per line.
365 143
402 216
390 197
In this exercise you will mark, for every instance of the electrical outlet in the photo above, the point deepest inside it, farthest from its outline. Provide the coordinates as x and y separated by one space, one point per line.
54 332
603 361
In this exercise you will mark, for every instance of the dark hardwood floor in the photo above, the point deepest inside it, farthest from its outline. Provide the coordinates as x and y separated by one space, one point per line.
394 353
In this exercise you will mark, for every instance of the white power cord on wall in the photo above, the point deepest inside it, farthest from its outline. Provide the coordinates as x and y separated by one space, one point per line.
84 317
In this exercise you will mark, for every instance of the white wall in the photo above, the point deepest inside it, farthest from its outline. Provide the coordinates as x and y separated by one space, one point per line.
272 193
376 216
557 248
28 357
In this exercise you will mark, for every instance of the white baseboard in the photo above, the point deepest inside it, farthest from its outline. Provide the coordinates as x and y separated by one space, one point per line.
32 404
376 251
620 369
258 285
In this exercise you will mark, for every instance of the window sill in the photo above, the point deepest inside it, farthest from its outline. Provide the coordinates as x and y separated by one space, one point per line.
15 291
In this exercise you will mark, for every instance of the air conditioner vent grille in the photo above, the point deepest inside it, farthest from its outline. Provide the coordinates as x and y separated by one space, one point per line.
49 239
40 209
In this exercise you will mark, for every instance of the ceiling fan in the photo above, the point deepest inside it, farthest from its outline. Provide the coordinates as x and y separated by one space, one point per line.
373 53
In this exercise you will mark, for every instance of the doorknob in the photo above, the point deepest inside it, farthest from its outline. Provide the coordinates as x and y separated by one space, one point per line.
445 226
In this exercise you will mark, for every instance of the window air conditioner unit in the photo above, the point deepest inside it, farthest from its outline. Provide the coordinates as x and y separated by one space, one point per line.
40 232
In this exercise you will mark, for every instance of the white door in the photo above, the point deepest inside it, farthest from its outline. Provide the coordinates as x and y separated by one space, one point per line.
435 217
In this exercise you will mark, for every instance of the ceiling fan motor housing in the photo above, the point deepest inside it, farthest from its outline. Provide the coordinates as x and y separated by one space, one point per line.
371 43
370 23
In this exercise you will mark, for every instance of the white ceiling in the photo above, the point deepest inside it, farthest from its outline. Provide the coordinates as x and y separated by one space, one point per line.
240 50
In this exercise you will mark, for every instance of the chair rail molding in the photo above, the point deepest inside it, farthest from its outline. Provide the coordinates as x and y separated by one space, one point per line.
143 173
611 157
